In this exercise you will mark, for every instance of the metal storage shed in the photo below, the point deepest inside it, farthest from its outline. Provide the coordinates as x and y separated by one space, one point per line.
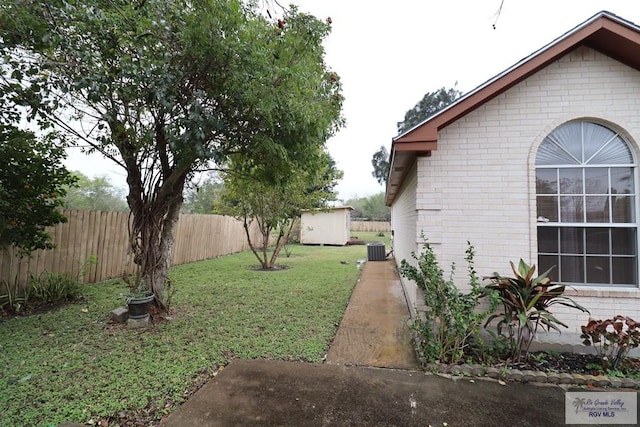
330 226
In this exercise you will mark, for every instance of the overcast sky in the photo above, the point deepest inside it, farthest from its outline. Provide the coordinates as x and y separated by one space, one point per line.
389 54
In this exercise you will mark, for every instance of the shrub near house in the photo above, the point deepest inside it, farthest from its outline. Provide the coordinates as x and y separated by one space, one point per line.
452 319
526 302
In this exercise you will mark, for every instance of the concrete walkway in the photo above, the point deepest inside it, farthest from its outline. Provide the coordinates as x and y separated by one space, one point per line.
271 393
372 333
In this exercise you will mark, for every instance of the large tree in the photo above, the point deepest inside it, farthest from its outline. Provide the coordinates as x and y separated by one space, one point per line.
380 163
97 194
201 196
370 208
32 186
167 88
430 104
375 208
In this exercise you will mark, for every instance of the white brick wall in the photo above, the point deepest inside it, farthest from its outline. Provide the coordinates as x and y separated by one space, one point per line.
479 185
405 234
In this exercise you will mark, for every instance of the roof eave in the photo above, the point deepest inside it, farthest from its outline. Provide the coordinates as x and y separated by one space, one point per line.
427 131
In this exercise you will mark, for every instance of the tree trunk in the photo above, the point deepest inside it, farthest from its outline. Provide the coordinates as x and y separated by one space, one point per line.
261 251
283 238
155 212
155 276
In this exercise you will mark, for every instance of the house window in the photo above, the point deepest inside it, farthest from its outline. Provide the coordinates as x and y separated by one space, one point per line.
586 206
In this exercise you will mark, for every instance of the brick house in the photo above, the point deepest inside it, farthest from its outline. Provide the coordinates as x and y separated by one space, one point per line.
539 163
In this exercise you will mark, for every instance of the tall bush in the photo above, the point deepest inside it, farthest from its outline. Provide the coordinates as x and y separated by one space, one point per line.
33 182
451 318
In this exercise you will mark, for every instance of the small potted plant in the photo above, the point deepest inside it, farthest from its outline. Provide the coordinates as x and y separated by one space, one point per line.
140 298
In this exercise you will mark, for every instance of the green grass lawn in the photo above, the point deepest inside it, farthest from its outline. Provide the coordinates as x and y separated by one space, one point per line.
73 365
371 237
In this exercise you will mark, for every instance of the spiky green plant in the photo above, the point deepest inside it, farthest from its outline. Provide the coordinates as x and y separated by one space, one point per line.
526 301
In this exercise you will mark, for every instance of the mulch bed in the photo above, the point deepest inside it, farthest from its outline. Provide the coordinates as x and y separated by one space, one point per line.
573 363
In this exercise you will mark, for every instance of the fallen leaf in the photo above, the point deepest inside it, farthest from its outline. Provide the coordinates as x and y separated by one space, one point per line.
501 382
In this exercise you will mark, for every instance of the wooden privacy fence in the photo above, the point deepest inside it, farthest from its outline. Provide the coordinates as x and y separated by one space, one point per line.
106 235
377 226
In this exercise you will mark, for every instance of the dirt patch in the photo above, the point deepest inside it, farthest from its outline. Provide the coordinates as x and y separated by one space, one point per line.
276 268
35 308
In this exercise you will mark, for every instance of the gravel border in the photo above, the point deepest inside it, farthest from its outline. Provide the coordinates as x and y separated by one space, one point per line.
526 376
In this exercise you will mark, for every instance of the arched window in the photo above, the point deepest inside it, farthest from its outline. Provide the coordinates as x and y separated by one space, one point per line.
586 206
